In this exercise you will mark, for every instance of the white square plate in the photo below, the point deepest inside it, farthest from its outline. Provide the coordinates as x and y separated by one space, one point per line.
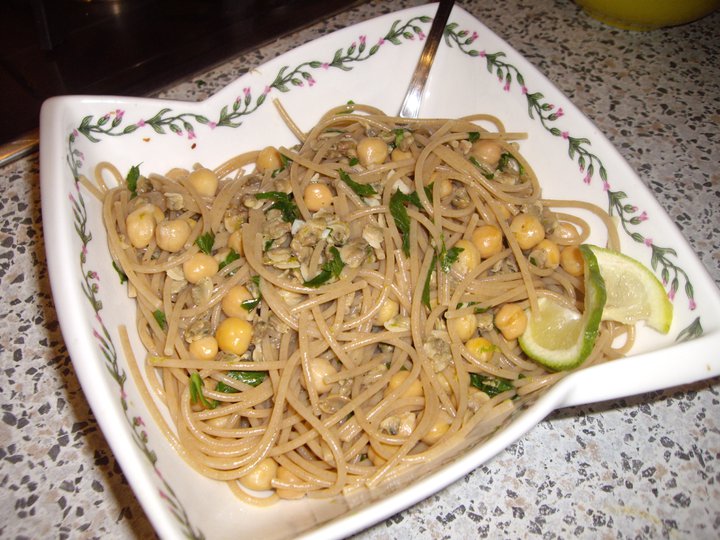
371 63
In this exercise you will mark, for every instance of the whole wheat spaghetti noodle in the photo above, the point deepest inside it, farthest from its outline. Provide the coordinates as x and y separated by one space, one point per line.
327 316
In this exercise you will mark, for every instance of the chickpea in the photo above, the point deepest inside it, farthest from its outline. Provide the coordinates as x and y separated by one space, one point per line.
260 477
487 151
437 430
546 254
232 301
387 311
468 258
235 242
287 477
200 266
511 320
572 261
566 233
480 348
528 230
234 335
204 181
488 239
372 151
140 224
463 327
172 234
268 159
414 390
319 369
400 155
205 348
317 196
445 188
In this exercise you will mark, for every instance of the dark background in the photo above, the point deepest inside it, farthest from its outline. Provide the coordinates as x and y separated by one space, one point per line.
127 47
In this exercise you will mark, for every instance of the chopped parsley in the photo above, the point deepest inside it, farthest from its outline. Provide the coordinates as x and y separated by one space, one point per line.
332 268
492 386
252 378
474 136
425 298
505 159
283 202
196 392
231 257
121 274
486 172
448 256
361 190
205 242
160 318
132 178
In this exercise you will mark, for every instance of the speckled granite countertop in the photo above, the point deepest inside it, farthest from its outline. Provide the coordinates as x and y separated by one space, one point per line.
645 467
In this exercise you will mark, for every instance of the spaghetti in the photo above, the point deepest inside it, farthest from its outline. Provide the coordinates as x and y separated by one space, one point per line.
328 316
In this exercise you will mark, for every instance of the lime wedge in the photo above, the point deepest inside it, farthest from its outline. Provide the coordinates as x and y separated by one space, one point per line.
559 337
633 292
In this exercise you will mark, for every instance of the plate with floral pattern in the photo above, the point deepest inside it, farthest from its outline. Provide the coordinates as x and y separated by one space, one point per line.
475 71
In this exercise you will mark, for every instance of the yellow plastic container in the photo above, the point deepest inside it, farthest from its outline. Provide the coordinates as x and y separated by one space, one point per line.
647 14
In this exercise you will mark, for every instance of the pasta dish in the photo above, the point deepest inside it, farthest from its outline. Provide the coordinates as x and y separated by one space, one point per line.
328 316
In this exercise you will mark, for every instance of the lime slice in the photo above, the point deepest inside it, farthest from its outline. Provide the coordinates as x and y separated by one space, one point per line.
633 292
559 337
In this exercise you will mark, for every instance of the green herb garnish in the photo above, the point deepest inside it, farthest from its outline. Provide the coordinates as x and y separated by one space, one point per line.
474 136
361 190
160 318
505 159
399 136
205 242
448 256
332 268
284 162
353 161
252 378
231 257
283 202
121 274
132 178
492 386
196 392
484 170
425 298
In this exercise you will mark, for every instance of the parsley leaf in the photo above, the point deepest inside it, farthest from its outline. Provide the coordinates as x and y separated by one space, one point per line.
252 378
484 169
492 386
449 257
353 161
505 159
361 190
283 202
399 136
425 298
160 318
196 392
123 275
231 257
474 136
284 162
132 178
332 268
205 242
